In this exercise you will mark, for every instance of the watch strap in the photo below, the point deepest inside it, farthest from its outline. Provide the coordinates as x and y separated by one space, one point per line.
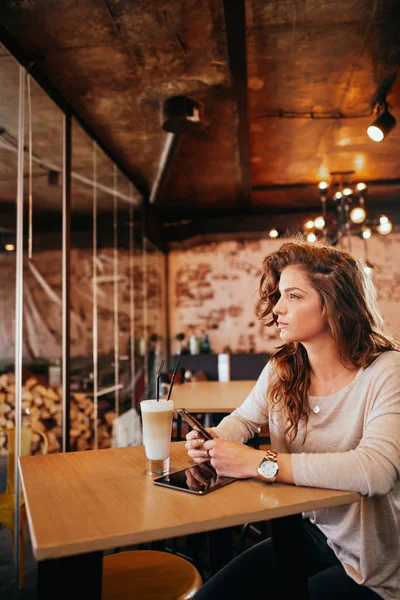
271 455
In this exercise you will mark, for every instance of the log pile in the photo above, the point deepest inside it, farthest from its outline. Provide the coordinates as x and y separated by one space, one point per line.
42 409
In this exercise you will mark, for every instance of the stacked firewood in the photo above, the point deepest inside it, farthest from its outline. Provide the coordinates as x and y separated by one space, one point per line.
42 409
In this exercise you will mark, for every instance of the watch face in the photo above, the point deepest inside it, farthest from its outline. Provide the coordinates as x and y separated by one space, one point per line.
268 469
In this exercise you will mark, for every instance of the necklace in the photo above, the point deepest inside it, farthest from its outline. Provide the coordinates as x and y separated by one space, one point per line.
330 388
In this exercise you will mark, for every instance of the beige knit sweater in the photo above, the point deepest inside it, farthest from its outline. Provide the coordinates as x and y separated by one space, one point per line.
352 443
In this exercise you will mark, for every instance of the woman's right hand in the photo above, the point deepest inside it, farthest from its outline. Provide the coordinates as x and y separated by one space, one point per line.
194 446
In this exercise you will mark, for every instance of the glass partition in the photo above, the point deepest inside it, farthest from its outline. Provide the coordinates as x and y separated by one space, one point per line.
117 285
9 85
42 285
31 166
104 261
9 135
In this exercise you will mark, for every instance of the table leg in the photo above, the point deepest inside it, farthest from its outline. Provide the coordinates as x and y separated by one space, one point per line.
220 552
207 420
73 577
287 538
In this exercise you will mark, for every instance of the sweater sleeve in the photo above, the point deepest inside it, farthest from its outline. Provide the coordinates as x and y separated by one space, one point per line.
248 419
374 466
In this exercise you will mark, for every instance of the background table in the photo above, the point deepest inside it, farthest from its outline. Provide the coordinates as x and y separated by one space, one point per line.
211 396
81 503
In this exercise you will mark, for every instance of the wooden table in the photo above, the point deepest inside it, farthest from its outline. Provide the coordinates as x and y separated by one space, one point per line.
211 396
81 503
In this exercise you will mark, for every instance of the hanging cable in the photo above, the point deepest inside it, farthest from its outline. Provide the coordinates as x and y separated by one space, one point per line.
145 313
116 307
30 157
95 316
287 114
132 299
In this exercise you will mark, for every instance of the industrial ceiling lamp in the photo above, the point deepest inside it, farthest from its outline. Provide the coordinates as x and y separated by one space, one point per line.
351 213
358 214
383 124
385 226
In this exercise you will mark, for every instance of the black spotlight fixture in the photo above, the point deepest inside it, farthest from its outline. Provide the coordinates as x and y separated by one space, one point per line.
383 124
181 114
52 178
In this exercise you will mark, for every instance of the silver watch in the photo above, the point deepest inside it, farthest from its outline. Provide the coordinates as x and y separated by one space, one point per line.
268 468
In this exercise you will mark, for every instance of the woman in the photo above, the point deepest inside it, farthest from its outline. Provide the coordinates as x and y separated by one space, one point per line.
331 395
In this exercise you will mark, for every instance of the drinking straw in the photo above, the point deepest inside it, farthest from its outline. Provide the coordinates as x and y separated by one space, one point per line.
158 381
173 378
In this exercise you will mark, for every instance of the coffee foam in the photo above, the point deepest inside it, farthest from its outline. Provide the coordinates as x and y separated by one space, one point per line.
156 406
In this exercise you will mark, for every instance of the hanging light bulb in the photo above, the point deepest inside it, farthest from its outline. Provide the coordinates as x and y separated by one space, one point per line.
385 228
358 215
366 233
311 237
323 185
361 186
383 219
338 195
347 191
319 223
309 224
382 126
273 233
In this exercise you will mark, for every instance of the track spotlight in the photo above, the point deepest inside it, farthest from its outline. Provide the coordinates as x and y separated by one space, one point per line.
382 126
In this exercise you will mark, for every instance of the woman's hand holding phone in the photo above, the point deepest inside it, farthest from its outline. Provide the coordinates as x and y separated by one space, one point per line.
194 446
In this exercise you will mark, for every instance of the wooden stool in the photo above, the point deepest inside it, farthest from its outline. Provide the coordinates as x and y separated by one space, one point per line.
149 575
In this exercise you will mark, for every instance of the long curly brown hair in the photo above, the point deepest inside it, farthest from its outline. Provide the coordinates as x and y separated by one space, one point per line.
348 301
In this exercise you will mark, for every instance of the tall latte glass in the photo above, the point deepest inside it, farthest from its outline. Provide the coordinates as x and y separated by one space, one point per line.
157 427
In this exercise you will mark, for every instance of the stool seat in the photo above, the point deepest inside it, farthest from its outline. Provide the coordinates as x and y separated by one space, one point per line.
148 575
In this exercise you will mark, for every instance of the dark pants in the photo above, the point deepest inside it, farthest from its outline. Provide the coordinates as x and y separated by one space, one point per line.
252 574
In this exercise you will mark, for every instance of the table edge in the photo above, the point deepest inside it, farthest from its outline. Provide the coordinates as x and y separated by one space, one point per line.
173 531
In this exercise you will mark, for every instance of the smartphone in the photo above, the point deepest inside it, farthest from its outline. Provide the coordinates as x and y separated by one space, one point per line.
200 480
194 423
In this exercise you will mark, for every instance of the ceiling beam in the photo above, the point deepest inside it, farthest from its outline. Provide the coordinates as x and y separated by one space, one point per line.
173 216
235 21
299 186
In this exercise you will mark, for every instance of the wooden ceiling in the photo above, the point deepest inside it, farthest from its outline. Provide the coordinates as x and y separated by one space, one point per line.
288 89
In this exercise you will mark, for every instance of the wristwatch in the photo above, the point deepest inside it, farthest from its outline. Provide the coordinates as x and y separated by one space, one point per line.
268 468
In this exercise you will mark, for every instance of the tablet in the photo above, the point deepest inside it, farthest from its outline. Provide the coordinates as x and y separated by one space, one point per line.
200 480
